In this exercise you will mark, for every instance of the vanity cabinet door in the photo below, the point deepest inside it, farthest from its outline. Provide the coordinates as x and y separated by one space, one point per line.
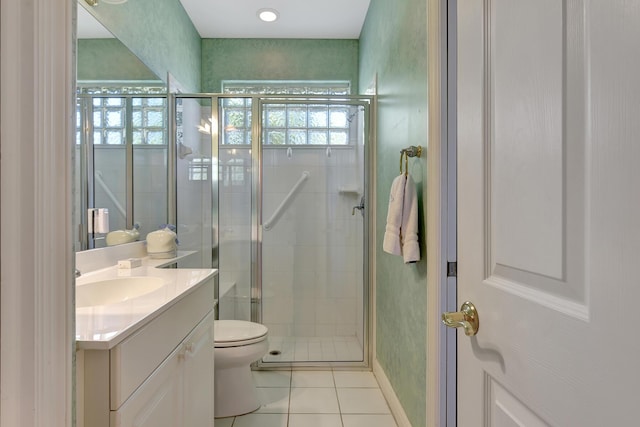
180 391
159 400
198 376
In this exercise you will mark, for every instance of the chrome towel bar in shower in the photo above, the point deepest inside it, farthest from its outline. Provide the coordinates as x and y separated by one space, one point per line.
276 214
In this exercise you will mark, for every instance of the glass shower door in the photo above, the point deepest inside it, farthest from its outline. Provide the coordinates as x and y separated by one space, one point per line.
313 293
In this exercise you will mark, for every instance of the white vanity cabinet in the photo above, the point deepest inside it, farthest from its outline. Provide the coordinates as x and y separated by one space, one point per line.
161 375
174 395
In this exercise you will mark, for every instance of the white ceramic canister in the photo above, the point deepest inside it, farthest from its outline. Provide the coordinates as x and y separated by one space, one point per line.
162 243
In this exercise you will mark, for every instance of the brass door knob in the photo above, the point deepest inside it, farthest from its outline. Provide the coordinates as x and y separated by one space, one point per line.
466 318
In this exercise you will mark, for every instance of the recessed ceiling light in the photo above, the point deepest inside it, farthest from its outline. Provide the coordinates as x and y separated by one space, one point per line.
268 15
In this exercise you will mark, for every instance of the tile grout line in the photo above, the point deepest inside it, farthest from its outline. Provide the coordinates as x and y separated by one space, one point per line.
290 388
347 385
337 397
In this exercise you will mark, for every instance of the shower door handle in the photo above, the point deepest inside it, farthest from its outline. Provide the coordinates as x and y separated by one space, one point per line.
360 207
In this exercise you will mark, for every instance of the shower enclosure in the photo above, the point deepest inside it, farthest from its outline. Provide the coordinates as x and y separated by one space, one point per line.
288 178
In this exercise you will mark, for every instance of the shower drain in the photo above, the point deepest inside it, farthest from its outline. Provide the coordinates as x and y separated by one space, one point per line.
275 353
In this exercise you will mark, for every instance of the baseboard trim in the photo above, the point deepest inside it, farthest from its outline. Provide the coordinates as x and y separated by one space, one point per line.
394 403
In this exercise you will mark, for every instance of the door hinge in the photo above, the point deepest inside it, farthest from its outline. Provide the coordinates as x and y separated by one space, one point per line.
452 269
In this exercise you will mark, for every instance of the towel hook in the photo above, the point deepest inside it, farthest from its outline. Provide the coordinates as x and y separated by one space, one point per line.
411 151
406 164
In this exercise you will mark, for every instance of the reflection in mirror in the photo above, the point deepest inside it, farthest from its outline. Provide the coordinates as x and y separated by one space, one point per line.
196 182
121 142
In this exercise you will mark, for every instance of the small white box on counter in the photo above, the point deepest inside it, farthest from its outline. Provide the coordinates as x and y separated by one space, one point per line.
129 263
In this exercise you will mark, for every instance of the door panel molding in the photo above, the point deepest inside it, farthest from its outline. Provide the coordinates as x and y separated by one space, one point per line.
503 409
535 217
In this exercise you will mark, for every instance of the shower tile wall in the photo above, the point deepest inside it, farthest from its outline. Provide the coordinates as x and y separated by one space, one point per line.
312 258
150 186
109 165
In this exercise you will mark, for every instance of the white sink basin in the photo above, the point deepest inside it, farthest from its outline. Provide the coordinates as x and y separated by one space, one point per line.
113 291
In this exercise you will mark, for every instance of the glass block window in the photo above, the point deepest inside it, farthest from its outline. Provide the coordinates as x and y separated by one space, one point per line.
92 88
306 124
287 124
286 87
109 114
78 122
149 121
236 121
109 117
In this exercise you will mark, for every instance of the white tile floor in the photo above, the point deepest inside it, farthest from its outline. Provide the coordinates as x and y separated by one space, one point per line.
316 399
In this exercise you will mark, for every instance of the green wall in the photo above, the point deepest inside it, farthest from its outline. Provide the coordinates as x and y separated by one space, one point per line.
278 59
109 59
393 45
160 33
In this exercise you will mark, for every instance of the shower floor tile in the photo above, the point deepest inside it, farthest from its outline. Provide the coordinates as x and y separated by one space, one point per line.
313 349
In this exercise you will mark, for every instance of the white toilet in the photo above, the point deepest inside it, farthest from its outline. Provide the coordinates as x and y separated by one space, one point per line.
237 345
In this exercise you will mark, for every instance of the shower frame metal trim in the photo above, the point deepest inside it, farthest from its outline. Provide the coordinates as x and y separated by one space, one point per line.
366 102
256 209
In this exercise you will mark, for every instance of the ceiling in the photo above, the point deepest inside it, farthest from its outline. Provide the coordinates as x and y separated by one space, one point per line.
301 19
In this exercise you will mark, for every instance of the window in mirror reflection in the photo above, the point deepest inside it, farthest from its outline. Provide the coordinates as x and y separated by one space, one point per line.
109 115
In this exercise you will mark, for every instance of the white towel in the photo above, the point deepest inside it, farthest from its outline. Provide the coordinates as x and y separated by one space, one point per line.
401 232
409 228
391 242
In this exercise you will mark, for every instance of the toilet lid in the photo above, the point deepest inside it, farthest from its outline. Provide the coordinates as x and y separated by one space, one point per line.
237 332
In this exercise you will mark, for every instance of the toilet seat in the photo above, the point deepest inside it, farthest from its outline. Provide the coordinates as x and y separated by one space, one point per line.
236 333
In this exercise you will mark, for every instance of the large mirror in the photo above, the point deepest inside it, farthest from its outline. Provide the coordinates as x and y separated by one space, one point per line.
123 162
121 141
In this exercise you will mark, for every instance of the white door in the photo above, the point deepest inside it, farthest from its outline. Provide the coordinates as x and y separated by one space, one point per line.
549 212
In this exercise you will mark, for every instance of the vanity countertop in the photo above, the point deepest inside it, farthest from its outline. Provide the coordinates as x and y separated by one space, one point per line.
102 327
